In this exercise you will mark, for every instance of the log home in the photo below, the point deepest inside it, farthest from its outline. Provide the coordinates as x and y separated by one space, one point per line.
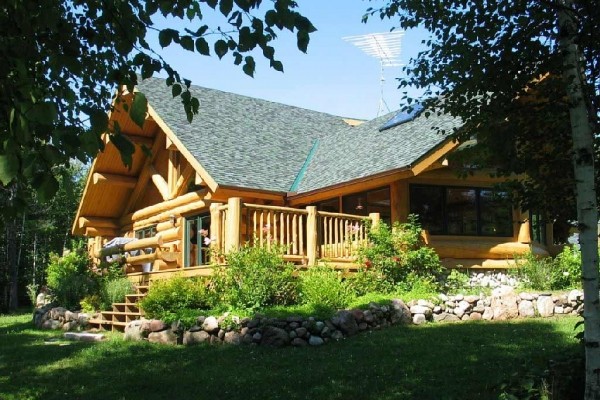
250 170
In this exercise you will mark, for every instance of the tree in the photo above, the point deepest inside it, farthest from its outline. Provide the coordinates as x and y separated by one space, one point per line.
484 58
62 60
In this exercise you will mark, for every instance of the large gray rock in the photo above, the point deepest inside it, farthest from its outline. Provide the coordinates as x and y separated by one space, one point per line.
315 341
488 314
274 337
419 319
445 317
232 337
297 342
84 336
195 337
345 321
163 337
575 295
401 312
504 303
133 331
210 325
545 306
526 309
157 325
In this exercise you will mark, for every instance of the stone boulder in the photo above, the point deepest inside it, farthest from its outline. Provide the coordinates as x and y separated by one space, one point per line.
344 320
526 309
195 337
133 331
545 306
163 337
274 337
504 303
210 325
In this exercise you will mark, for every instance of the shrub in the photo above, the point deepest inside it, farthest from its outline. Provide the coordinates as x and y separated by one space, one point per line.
535 272
255 277
567 270
32 290
91 303
177 298
323 287
393 254
456 281
70 278
114 291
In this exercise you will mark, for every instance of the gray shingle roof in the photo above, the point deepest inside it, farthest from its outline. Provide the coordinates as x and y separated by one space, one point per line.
253 143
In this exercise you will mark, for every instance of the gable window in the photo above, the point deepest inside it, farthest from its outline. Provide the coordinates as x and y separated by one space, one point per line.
465 211
197 240
145 232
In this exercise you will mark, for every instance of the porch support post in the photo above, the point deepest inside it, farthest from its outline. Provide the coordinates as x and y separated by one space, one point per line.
215 227
232 232
311 235
375 218
524 232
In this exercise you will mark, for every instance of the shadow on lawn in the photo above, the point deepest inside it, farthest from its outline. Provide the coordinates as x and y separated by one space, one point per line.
457 361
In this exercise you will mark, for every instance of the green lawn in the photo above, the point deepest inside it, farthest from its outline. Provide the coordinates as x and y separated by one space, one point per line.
441 361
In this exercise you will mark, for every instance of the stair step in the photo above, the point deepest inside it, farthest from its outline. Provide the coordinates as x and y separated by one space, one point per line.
120 313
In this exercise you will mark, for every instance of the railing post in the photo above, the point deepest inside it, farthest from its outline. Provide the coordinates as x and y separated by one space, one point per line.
215 227
232 230
311 235
524 232
374 217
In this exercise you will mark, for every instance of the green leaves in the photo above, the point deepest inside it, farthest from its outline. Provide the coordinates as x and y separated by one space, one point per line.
125 147
221 48
9 167
139 107
202 47
166 36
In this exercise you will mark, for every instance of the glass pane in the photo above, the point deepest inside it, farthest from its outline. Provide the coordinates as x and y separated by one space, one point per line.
428 203
461 211
496 213
355 204
331 205
380 197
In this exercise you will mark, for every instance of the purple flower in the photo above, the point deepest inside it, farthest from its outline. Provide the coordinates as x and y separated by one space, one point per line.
207 241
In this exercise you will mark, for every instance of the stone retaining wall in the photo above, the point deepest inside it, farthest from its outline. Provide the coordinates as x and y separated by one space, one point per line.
504 303
49 317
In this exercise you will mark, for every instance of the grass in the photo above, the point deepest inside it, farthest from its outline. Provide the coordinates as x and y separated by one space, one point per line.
435 361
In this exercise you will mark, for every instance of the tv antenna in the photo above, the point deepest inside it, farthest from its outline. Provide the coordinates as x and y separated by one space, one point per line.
386 47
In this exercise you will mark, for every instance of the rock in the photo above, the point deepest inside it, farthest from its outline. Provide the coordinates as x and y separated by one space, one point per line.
71 316
472 299
294 325
475 316
358 314
163 337
464 305
133 331
274 337
58 313
504 303
526 309
346 322
247 339
545 306
157 325
479 309
445 317
568 310
559 310
488 314
221 334
459 312
337 335
84 336
465 317
69 326
232 337
292 334
459 297
426 311
419 319
257 337
363 326
401 311
211 325
525 296
443 297
301 332
195 337
195 328
437 309
297 342
315 341
574 296
368 316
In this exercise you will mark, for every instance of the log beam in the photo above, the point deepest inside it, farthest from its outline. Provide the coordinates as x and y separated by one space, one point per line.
183 181
160 183
97 222
104 232
114 179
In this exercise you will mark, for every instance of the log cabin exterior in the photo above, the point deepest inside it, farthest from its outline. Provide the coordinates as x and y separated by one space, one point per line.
250 170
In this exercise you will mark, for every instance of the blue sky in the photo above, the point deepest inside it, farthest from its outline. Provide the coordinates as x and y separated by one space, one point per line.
333 77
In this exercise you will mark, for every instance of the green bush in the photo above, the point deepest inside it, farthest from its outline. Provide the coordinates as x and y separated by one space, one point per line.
323 287
91 303
456 281
177 298
393 254
255 277
114 291
69 277
567 271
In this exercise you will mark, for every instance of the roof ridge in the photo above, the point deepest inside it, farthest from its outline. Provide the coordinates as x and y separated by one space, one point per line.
304 167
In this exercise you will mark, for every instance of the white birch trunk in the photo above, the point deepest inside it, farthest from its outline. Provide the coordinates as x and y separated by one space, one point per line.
587 212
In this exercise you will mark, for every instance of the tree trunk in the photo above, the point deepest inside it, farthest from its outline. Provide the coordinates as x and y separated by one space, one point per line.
13 266
587 212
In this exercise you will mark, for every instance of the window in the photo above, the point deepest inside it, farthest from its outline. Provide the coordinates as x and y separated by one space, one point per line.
197 249
537 226
462 210
146 232
374 201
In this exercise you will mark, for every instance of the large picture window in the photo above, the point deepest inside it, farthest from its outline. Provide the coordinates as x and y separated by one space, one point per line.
196 234
468 211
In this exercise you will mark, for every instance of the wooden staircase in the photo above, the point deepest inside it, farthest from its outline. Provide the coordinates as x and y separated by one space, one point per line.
121 313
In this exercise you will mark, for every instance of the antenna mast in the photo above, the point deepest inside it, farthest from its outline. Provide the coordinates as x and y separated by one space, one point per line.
386 47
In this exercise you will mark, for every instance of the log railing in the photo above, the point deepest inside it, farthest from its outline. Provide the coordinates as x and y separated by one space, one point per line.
307 235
